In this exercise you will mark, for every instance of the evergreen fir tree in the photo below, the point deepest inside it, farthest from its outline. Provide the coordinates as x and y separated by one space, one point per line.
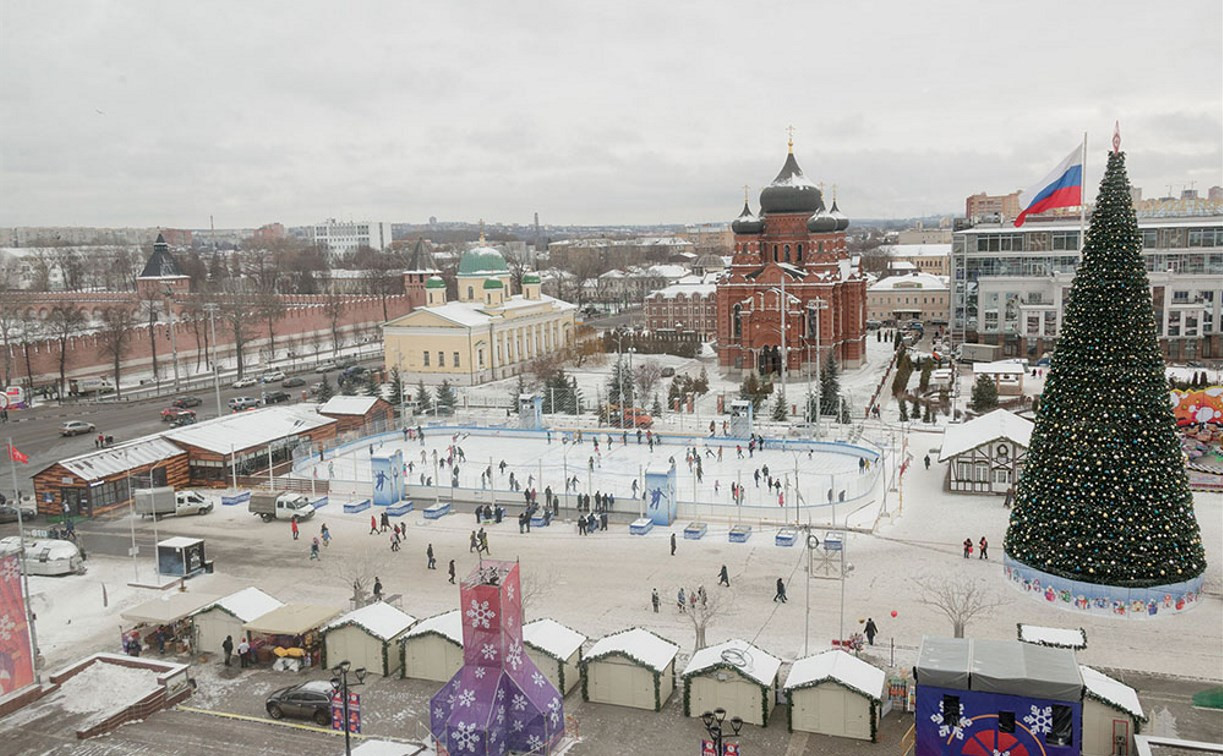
656 409
927 367
830 386
1104 497
701 384
620 380
904 370
779 408
673 394
984 395
752 390
325 389
928 415
395 396
904 411
446 398
916 411
520 388
422 396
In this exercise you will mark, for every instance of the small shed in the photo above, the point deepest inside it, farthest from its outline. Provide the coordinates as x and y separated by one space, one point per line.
556 651
735 676
986 454
356 412
226 616
835 693
631 668
1007 376
433 648
1112 714
182 557
366 637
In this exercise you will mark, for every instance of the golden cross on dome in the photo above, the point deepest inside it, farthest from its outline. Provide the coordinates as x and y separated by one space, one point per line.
790 141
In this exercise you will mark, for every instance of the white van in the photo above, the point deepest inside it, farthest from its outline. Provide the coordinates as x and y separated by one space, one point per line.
47 556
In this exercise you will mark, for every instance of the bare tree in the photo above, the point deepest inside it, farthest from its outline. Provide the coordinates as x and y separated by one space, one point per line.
960 598
151 304
705 611
270 308
333 308
357 573
235 311
647 375
115 338
532 590
64 322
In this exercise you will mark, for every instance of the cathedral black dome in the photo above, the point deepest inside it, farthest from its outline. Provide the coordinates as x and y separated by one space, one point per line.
822 222
790 192
747 222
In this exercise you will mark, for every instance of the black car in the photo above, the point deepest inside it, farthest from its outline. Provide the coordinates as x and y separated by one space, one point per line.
293 382
308 700
8 514
276 397
183 402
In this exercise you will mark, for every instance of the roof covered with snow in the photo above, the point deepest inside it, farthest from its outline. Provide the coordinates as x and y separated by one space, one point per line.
1058 637
999 666
922 281
247 604
120 458
637 644
1111 692
919 250
685 289
838 667
473 314
448 625
751 661
245 430
992 426
1001 367
379 619
348 405
553 638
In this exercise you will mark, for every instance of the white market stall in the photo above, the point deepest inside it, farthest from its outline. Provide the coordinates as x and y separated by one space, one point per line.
433 648
556 651
365 637
631 668
1111 714
735 676
289 635
226 616
170 614
834 693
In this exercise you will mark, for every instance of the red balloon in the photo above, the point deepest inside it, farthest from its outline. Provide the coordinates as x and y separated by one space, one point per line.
894 613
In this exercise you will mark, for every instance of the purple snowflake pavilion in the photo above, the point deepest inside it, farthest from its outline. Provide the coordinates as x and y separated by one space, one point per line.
498 701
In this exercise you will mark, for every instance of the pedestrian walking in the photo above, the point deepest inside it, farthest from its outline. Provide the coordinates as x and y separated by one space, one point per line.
672 544
452 572
682 600
377 587
473 543
483 537
781 591
227 646
967 548
700 591
724 577
654 600
871 631
927 461
386 522
326 535
429 555
314 548
984 544
373 525
293 527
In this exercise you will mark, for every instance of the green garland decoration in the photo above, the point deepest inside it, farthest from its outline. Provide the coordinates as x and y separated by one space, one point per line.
386 662
874 722
687 696
585 680
657 691
764 706
789 712
1019 637
403 658
560 676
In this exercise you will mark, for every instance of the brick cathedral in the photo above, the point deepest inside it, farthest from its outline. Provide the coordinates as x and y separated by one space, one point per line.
798 240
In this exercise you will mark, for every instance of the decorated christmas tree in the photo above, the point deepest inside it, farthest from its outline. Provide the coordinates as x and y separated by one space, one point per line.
1104 497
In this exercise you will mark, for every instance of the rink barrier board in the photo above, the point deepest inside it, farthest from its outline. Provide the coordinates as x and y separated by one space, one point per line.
357 507
437 511
238 498
320 502
641 526
695 531
785 537
1117 602
739 534
400 509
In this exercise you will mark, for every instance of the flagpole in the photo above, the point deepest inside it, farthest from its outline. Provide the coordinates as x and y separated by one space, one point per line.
1083 202
25 576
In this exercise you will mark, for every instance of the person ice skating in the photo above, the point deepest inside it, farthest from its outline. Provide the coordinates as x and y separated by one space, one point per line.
373 525
724 577
314 548
967 548
377 587
654 600
781 591
861 465
984 544
429 555
927 461
672 544
227 646
293 527
325 534
244 654
700 591
452 572
871 631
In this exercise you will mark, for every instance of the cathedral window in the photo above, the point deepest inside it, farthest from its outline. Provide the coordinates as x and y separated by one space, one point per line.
737 322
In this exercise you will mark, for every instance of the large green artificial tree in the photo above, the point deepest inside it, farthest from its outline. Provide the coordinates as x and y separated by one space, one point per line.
1104 497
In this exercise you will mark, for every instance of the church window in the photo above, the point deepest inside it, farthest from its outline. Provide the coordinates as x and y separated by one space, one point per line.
737 324
821 248
787 253
470 293
800 253
441 359
774 253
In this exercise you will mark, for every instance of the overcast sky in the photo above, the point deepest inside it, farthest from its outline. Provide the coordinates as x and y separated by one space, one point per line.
162 113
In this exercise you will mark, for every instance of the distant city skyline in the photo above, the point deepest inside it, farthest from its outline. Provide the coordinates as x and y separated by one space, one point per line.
140 113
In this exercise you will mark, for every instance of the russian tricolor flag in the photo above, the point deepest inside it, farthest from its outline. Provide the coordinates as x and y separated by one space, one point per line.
1063 187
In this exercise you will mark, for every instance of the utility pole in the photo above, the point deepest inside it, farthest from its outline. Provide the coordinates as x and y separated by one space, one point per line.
173 336
211 309
21 557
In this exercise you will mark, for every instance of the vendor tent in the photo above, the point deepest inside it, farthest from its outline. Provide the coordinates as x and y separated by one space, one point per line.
292 619
630 668
365 637
225 617
1112 714
556 650
433 648
168 609
835 694
735 676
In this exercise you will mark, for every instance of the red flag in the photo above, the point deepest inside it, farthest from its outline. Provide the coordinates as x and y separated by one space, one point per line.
17 456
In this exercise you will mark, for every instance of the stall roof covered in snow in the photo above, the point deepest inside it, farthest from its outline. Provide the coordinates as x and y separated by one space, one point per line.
292 619
553 638
247 604
757 664
448 625
348 405
637 644
1001 367
246 430
1058 637
997 666
1111 692
169 608
120 458
992 426
379 619
838 667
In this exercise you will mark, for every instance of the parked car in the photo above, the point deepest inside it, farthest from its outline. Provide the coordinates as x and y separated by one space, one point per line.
873 325
76 428
184 402
326 367
8 514
308 700
315 388
239 403
293 382
345 362
28 510
355 371
185 418
275 397
272 376
245 382
170 414
667 372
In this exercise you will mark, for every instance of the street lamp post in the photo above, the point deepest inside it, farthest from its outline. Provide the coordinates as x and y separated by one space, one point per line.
173 336
340 684
713 721
216 370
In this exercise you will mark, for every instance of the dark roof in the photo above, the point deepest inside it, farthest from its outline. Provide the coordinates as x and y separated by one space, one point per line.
161 263
747 222
791 191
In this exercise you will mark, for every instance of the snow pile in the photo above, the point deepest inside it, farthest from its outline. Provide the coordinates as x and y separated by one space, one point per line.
102 685
1058 637
380 619
552 638
639 645
1112 692
838 667
759 665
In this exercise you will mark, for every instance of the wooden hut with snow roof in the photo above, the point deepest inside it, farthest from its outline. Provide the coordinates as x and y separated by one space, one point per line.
556 651
367 637
227 615
834 693
735 676
432 649
631 668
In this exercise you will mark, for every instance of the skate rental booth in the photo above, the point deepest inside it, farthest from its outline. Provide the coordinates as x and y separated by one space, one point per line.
735 676
225 617
432 649
834 693
556 651
367 637
986 696
634 668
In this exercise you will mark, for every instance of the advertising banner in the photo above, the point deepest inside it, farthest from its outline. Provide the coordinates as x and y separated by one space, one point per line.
387 472
16 655
354 712
661 505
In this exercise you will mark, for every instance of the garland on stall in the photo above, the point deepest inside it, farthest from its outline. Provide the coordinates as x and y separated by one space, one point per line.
403 658
789 712
657 690
874 721
386 661
687 696
764 706
585 679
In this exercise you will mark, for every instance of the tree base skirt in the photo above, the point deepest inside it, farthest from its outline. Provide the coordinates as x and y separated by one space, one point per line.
1118 602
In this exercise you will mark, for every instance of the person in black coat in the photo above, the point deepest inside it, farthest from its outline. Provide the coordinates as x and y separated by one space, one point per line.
227 646
781 591
871 631
724 577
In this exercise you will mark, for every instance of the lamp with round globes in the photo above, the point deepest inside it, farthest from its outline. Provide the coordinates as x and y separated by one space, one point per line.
713 721
341 685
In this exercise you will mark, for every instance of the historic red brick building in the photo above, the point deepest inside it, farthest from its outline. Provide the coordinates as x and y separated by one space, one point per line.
796 244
